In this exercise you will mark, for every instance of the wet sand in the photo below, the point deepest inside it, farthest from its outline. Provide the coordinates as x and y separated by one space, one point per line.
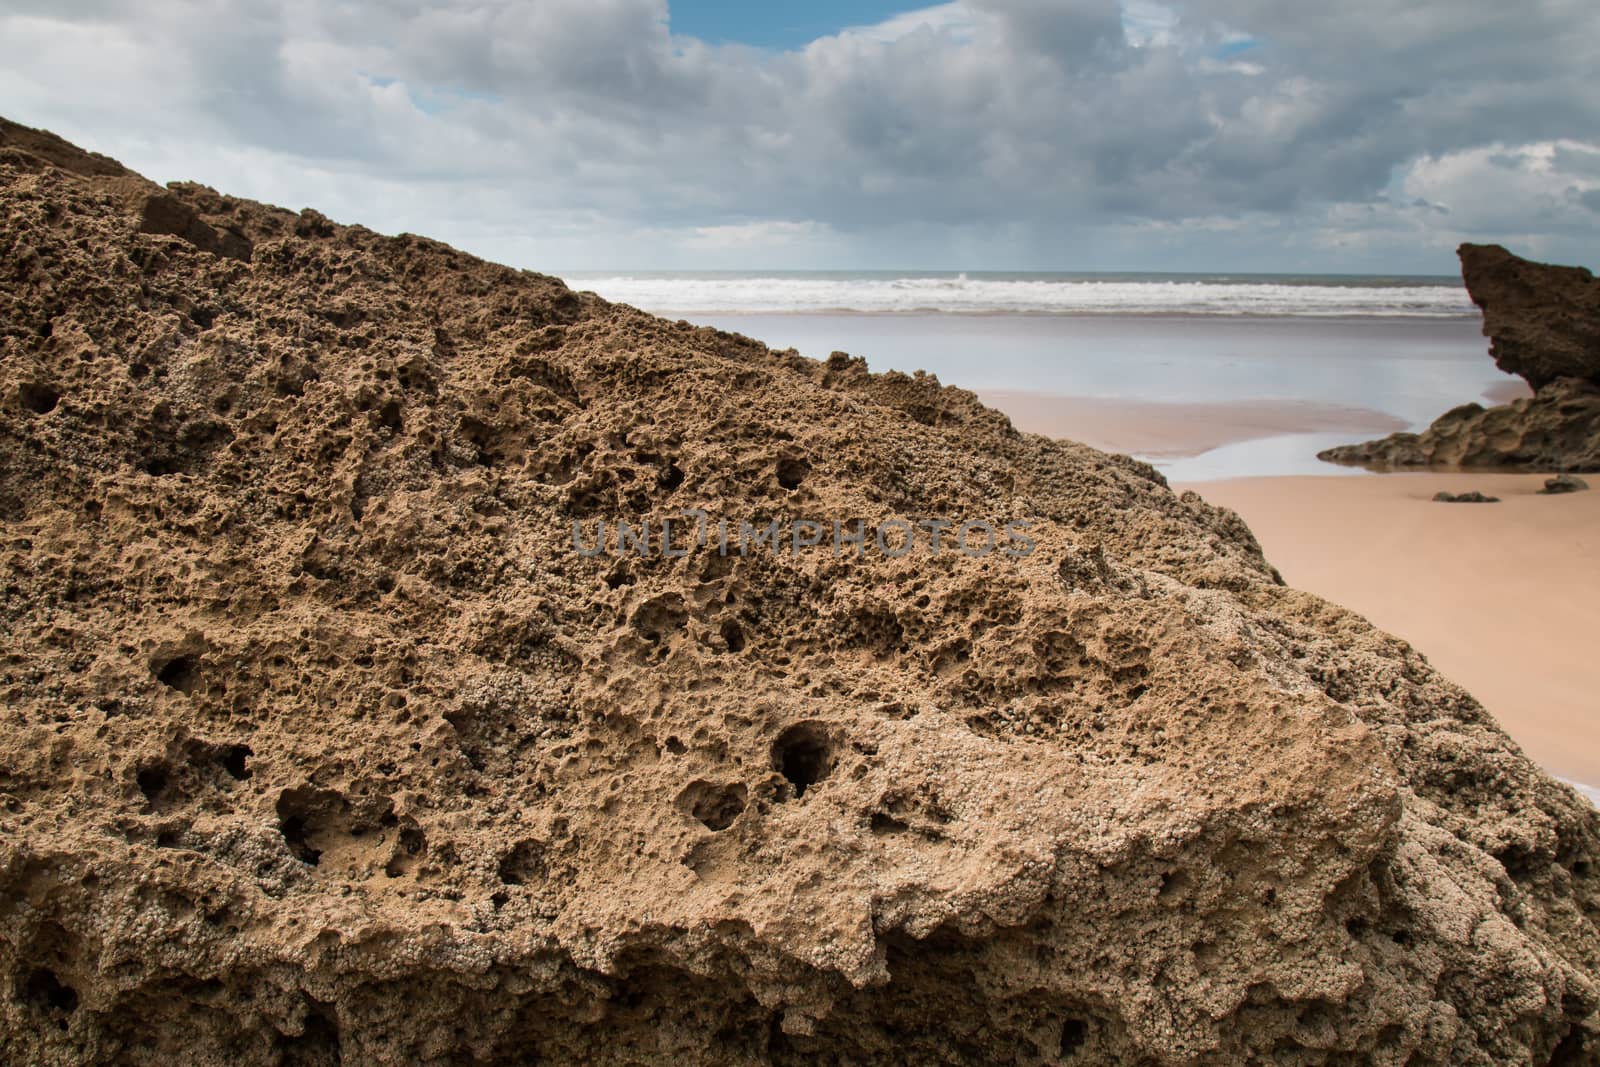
1157 429
1503 598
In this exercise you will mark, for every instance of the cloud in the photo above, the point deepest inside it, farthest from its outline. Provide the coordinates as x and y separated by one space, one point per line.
953 18
1018 133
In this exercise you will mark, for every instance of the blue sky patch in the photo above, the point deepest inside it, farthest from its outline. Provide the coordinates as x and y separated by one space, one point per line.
778 25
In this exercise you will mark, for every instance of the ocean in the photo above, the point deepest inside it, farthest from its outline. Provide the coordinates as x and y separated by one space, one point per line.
995 293
1403 347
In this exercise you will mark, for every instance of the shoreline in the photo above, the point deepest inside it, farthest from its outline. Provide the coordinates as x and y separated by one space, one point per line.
1502 599
1120 373
1335 317
1158 429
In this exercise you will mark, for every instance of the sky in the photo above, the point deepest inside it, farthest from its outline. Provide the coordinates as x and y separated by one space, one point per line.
598 135
778 25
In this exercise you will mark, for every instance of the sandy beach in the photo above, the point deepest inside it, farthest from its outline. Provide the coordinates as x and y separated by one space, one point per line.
1503 598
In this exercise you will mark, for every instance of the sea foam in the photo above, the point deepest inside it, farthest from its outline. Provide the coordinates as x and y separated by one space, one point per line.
881 294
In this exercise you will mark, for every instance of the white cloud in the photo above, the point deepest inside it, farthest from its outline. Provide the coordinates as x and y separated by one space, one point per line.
955 19
1529 190
759 235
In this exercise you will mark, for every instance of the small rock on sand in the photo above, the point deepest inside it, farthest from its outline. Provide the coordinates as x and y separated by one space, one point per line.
1564 483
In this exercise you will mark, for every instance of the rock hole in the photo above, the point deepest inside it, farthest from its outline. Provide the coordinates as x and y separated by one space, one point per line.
671 477
884 823
803 756
733 635
39 399
524 864
1569 1052
660 617
319 1041
619 578
235 761
716 806
297 835
483 439
300 812
180 673
411 846
389 415
791 472
152 781
676 747
1074 1032
47 993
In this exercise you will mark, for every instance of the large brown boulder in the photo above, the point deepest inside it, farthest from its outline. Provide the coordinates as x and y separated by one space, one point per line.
1542 321
321 741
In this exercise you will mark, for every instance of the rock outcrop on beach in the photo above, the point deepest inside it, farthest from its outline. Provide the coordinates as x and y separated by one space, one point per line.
323 741
1556 429
1543 323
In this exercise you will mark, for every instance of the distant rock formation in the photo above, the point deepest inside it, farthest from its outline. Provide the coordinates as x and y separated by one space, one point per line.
1543 323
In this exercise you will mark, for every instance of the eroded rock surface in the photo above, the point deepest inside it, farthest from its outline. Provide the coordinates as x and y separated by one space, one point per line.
322 743
1557 429
1543 323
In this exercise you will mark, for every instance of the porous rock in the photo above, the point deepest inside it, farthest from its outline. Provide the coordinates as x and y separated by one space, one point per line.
324 742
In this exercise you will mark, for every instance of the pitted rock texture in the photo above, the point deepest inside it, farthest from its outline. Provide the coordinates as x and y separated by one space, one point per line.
1557 429
323 743
1543 322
